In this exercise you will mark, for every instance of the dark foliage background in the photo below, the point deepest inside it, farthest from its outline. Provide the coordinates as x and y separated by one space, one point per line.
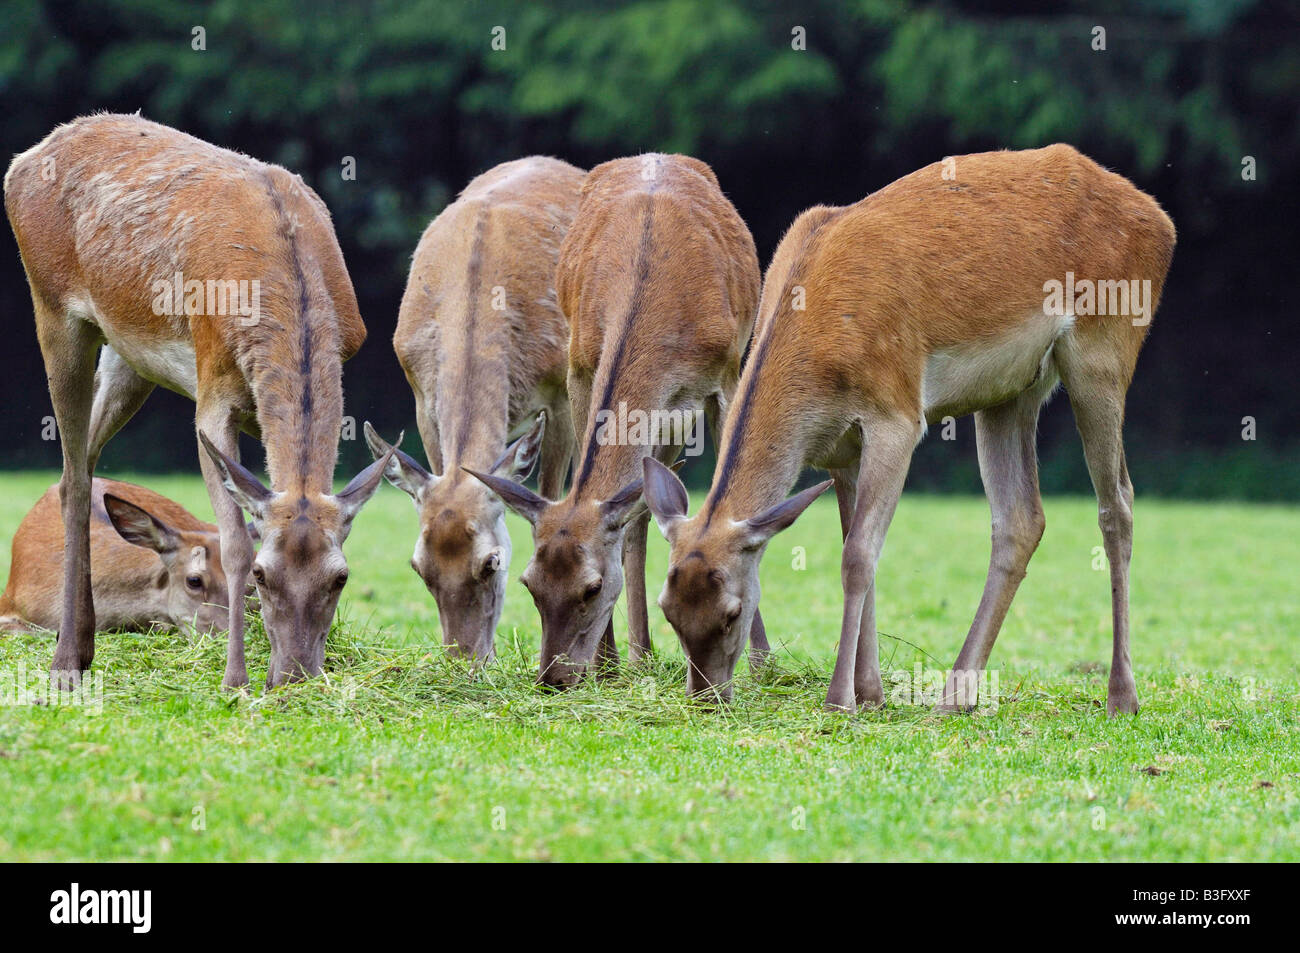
414 91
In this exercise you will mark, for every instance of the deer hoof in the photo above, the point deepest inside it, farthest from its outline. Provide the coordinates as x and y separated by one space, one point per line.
872 696
841 702
65 679
1123 702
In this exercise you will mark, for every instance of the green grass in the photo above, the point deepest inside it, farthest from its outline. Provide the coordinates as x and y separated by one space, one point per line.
399 753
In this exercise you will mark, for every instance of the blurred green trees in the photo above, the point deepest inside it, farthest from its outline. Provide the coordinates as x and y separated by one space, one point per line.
792 104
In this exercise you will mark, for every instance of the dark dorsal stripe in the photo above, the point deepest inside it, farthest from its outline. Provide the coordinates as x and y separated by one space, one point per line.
730 451
305 341
643 258
727 467
473 282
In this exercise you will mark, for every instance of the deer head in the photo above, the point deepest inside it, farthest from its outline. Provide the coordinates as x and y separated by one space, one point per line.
576 573
463 551
191 586
712 589
299 570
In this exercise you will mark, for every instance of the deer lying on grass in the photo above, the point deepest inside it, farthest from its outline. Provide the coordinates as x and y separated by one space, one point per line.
123 224
485 347
936 296
659 279
152 563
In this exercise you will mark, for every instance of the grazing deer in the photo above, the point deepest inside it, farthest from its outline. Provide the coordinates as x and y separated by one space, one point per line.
152 563
484 346
147 240
659 279
936 296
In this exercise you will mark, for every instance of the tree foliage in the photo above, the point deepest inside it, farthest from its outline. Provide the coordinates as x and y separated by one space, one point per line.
423 94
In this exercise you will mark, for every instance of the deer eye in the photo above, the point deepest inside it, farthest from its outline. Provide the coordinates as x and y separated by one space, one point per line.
341 580
259 575
592 590
194 582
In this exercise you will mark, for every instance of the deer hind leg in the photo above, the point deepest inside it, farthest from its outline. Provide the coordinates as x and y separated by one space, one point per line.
607 653
221 425
887 447
426 421
715 410
638 617
119 393
634 546
68 345
1097 398
579 389
868 688
557 450
1008 455
759 649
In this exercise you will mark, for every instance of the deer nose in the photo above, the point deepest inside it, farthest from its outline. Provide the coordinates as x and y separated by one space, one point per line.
557 675
552 679
705 687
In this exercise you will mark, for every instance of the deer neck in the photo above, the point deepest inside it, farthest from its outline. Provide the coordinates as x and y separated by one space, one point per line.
613 446
473 397
634 374
478 361
770 434
297 384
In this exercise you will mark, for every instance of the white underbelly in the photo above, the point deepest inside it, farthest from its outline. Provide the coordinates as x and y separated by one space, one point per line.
968 378
169 364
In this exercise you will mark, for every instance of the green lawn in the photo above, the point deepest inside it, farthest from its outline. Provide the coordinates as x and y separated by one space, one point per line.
400 753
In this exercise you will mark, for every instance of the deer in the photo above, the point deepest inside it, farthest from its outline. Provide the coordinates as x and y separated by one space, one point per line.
938 296
484 346
659 279
153 563
219 277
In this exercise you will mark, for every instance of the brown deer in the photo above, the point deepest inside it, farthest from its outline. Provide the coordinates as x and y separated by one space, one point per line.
484 345
940 295
152 563
659 279
219 277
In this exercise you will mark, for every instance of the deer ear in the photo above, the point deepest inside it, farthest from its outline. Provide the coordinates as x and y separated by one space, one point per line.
139 526
624 506
767 524
664 494
402 471
521 456
244 488
518 497
362 487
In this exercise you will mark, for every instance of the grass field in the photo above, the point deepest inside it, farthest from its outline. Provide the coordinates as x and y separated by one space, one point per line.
399 753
